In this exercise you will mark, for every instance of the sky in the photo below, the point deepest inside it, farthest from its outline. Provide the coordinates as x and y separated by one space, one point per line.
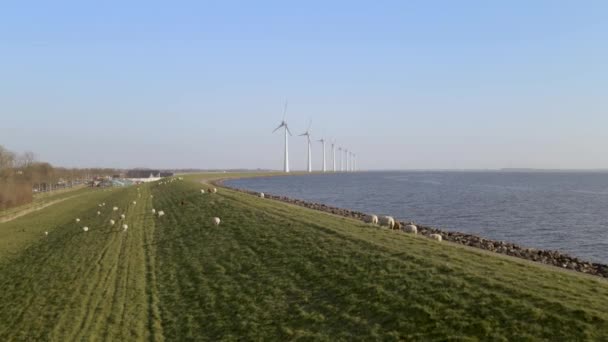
404 84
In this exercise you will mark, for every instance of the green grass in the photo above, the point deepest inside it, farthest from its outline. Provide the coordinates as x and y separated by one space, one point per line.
271 271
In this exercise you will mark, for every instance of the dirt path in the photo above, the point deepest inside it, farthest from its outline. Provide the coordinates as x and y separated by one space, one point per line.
10 217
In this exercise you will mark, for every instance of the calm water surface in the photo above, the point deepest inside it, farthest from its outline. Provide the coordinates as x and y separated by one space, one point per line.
562 211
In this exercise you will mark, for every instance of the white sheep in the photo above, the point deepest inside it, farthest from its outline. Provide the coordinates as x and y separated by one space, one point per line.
86 229
134 202
103 204
122 216
215 221
161 213
435 237
214 190
373 219
46 233
388 221
262 195
77 220
151 196
124 227
153 211
115 208
202 191
112 222
99 213
410 228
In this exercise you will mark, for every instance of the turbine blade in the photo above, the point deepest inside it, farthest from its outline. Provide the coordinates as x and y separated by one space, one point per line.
287 128
279 126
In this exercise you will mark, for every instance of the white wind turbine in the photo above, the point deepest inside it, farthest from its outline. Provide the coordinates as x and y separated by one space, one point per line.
284 124
340 153
333 151
307 135
322 141
346 157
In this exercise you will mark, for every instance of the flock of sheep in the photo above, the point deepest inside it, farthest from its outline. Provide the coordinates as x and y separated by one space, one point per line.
384 221
215 220
390 223
158 213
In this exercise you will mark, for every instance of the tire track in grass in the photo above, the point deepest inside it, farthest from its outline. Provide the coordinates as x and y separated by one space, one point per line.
98 278
124 319
154 322
33 252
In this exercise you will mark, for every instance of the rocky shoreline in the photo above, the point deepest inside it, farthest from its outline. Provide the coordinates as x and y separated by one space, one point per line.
547 257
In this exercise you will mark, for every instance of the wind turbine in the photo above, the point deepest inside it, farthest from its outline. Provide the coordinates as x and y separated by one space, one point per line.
284 124
307 135
346 156
340 153
354 162
333 151
322 140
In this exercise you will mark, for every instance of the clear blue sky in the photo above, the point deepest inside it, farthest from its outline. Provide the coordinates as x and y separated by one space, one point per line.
406 84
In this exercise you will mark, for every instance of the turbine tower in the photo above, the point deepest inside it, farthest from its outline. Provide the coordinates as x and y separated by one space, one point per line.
307 135
284 124
333 151
340 153
354 162
322 141
346 157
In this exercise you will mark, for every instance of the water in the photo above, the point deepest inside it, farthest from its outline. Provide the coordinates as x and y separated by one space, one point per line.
560 211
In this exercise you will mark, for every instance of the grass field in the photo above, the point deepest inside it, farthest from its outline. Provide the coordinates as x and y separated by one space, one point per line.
270 271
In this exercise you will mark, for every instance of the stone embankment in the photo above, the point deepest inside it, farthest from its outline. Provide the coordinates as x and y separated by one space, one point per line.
548 257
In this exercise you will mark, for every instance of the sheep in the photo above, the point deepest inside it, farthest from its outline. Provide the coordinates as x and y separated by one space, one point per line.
122 216
214 190
373 219
202 191
410 228
115 208
86 229
397 225
46 233
77 220
435 237
124 227
153 211
103 204
112 222
161 213
388 221
215 221
261 195
99 213
134 202
151 196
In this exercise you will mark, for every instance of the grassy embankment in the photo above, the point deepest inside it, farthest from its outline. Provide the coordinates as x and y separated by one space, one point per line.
270 271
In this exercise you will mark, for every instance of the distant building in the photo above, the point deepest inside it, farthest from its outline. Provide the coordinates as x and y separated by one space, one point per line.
142 176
